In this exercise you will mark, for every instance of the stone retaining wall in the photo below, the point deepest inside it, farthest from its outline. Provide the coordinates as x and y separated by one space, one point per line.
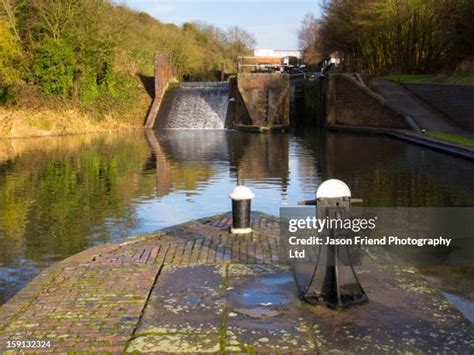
455 101
350 103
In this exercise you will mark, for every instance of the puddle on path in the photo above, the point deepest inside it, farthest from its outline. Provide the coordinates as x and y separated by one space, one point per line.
264 310
266 291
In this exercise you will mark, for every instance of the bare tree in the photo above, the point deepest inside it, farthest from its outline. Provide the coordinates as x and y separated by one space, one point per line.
308 37
56 15
239 40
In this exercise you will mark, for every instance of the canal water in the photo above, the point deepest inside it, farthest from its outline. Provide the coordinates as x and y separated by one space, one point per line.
61 195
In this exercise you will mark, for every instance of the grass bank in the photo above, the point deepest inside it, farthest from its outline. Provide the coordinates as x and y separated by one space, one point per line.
38 115
457 78
452 138
22 123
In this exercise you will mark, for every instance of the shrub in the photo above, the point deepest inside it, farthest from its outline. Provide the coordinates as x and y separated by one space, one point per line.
9 59
53 67
89 90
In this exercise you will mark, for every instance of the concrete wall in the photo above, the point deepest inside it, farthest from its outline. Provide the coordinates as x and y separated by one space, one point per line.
163 74
263 100
455 101
350 103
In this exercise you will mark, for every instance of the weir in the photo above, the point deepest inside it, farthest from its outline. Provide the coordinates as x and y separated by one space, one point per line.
257 102
195 105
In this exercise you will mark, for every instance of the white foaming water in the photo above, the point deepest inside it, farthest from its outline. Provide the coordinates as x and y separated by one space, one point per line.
195 106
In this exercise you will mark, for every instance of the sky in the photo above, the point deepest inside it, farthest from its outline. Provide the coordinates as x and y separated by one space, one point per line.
274 23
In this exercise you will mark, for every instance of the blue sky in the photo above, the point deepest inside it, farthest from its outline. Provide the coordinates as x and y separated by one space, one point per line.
274 23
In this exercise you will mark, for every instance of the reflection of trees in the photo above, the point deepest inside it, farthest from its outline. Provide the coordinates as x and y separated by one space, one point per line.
189 177
11 148
53 196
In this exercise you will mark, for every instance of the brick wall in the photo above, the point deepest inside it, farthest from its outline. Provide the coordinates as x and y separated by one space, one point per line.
455 101
163 74
350 103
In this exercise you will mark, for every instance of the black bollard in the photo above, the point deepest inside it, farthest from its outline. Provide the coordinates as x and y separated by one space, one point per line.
241 197
333 282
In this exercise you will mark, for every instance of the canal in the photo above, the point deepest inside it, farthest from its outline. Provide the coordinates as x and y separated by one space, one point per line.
61 195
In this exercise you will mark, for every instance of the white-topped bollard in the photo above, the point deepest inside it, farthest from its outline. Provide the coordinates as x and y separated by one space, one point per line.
334 282
333 188
241 197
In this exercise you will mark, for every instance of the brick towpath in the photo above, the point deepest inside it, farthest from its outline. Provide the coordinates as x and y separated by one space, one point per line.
196 288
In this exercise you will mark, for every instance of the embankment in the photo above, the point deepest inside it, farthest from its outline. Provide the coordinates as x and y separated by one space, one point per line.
23 123
37 115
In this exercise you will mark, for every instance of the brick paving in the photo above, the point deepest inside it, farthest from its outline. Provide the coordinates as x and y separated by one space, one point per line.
93 300
122 297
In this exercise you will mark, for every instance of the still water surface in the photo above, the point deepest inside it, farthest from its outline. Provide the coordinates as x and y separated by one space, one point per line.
59 196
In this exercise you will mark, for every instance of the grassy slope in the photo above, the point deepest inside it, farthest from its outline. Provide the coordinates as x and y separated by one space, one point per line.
21 123
452 138
39 116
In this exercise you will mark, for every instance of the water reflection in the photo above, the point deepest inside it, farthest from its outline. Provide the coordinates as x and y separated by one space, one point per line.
186 160
183 159
389 172
59 196
258 157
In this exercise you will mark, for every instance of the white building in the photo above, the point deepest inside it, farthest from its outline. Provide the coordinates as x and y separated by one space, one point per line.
280 53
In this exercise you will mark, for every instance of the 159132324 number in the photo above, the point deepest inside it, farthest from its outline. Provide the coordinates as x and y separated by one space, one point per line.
28 344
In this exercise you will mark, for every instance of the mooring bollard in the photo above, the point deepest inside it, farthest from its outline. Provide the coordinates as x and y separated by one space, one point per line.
241 197
334 284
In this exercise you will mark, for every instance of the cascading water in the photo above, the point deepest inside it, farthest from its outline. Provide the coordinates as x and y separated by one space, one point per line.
199 105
